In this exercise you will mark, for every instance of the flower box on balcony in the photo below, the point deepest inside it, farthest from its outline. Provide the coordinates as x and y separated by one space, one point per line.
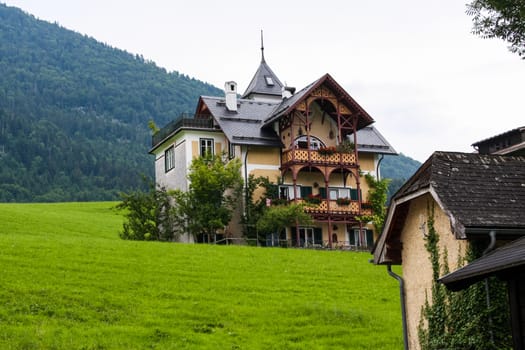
327 151
311 199
343 201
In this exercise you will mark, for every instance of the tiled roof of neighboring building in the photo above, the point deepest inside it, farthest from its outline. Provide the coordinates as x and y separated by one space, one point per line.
478 193
503 260
244 126
370 140
478 190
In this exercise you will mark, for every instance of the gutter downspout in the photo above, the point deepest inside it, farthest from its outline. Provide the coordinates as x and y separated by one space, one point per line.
403 307
377 167
492 243
246 199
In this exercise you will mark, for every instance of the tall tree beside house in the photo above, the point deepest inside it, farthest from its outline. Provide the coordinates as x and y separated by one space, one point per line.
503 19
214 192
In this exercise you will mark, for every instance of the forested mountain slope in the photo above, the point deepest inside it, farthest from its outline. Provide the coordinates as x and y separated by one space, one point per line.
399 169
74 112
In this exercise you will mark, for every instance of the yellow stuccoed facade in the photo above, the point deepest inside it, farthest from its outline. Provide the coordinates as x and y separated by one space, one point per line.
417 269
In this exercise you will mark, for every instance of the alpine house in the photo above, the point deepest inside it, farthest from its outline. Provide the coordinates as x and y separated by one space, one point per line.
316 144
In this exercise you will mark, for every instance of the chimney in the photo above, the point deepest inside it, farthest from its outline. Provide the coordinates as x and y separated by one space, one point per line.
230 90
287 92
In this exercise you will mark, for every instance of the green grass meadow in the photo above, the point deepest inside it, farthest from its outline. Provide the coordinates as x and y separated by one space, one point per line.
67 281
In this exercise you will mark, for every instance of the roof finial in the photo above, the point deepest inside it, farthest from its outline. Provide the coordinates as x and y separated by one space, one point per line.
262 48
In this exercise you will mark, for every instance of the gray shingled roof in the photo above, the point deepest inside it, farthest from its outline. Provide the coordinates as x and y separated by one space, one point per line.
245 125
478 193
259 83
370 140
504 260
478 190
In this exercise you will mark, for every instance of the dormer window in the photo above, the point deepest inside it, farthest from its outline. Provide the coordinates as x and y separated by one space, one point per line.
269 80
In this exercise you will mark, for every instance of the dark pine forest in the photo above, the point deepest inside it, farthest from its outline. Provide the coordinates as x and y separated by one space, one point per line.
74 113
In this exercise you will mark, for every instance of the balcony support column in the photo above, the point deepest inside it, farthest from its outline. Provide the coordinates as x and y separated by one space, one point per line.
326 181
294 181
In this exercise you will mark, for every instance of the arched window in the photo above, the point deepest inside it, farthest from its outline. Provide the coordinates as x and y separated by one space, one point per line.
302 143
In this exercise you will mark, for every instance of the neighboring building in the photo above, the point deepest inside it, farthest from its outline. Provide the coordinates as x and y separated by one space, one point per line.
472 195
508 264
295 139
510 143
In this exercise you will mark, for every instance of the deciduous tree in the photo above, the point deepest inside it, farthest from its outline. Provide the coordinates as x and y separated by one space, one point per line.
214 192
503 19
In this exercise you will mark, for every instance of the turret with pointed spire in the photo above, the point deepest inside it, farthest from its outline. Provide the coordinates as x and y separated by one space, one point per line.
264 85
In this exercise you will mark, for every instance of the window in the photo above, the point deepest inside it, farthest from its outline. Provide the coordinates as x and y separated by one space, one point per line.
302 143
336 192
206 147
169 159
308 236
365 238
287 192
269 80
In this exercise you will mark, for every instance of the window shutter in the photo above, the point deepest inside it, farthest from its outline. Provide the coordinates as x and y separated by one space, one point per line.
318 235
369 238
351 237
306 191
353 194
322 192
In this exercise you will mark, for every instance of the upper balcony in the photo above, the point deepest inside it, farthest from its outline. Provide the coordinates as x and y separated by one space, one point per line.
183 121
317 157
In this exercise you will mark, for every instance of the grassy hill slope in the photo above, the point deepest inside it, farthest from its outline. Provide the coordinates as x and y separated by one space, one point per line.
69 282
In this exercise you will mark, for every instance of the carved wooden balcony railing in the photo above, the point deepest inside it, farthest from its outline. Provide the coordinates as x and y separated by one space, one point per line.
305 156
349 209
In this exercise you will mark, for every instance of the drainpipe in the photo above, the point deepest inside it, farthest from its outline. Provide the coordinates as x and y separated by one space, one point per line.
377 168
403 307
246 199
492 243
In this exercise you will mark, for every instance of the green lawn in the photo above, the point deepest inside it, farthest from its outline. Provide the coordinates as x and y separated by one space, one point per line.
68 282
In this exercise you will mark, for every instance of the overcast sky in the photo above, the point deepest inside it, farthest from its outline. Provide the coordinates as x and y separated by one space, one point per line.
412 64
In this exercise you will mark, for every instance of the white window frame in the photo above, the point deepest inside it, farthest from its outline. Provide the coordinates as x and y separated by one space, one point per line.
169 159
206 145
289 192
338 192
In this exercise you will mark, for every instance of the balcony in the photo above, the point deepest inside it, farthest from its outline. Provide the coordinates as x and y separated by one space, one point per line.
314 157
184 121
352 208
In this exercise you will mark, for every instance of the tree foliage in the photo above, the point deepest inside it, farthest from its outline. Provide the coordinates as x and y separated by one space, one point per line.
74 112
214 192
255 207
503 19
148 215
277 218
377 196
